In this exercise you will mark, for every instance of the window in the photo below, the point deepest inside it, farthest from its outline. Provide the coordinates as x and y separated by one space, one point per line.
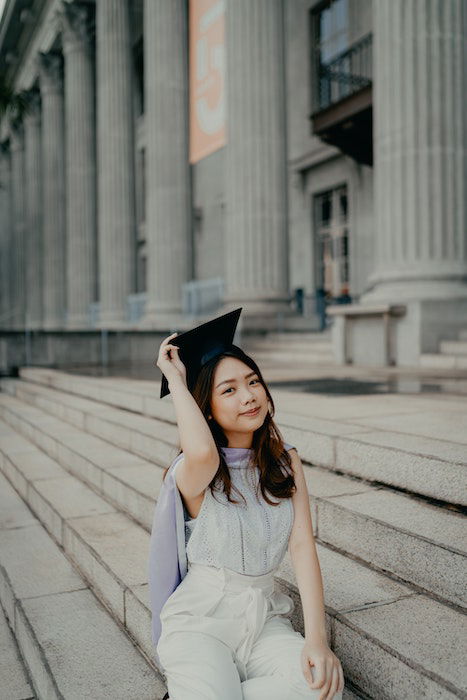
330 32
332 243
333 23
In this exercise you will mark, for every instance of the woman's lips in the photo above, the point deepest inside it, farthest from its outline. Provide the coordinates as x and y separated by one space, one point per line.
251 413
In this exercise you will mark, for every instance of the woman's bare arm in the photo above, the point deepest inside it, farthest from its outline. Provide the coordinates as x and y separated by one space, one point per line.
302 549
195 436
328 674
201 458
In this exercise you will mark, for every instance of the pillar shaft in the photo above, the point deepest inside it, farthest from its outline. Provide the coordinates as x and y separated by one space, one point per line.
6 236
53 191
80 165
33 230
167 189
420 164
116 214
17 279
256 268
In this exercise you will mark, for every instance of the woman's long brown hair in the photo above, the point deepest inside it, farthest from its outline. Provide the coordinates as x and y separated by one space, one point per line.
269 453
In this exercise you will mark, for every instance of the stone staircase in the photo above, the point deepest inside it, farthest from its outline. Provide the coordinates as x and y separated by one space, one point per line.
292 349
452 354
82 461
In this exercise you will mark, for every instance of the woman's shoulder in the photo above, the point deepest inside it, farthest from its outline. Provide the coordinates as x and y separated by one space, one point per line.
288 446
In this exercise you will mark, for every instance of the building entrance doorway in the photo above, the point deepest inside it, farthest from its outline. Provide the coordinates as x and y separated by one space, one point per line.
331 250
332 244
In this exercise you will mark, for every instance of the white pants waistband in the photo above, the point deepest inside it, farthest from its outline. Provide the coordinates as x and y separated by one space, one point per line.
229 580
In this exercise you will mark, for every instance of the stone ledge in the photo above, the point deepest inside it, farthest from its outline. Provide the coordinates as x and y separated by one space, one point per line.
365 309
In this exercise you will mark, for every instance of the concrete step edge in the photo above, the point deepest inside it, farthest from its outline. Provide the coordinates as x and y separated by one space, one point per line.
335 523
423 480
43 667
15 678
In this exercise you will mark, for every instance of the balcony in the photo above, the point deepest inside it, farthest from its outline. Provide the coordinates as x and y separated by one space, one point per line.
343 103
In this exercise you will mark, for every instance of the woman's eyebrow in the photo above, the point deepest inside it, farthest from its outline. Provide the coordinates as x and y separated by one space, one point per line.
226 381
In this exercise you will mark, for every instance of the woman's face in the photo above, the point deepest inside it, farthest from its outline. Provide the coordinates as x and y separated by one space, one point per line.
237 389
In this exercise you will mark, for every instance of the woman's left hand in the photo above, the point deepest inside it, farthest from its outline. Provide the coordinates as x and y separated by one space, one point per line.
328 672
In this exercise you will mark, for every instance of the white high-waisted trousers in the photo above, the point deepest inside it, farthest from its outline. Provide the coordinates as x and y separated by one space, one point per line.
224 635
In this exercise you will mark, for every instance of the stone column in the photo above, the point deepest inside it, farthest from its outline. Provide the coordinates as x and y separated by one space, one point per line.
17 281
115 161
167 175
53 191
80 164
256 267
419 79
33 232
420 150
5 236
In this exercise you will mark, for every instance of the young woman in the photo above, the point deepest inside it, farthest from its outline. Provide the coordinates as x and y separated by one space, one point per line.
225 634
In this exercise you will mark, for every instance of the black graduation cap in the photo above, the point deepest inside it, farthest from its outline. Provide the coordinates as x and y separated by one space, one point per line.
199 345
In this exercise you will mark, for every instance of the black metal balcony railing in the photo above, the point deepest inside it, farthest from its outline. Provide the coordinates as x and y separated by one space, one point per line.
345 75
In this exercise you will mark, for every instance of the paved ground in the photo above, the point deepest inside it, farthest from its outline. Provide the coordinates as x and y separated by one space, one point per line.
327 379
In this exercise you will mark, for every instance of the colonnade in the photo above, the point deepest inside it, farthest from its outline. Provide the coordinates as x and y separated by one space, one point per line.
70 231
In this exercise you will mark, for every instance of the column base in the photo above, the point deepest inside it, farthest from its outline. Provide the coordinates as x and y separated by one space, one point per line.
401 291
169 322
35 325
263 316
78 322
111 320
53 324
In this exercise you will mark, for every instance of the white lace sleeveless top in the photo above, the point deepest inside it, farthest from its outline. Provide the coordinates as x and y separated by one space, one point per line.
251 536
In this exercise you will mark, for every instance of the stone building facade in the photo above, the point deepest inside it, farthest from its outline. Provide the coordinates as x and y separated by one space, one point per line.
342 177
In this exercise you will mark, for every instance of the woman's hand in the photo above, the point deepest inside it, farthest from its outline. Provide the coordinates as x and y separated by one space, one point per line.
169 363
328 672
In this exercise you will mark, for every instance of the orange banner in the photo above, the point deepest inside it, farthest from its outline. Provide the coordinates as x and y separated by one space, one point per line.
207 77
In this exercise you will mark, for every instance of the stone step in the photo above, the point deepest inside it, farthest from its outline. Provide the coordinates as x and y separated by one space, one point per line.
298 352
125 479
70 643
348 514
463 335
387 631
286 356
293 345
443 361
454 347
309 337
400 442
13 674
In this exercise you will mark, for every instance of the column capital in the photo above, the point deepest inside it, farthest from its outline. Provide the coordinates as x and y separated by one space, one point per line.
51 72
78 24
